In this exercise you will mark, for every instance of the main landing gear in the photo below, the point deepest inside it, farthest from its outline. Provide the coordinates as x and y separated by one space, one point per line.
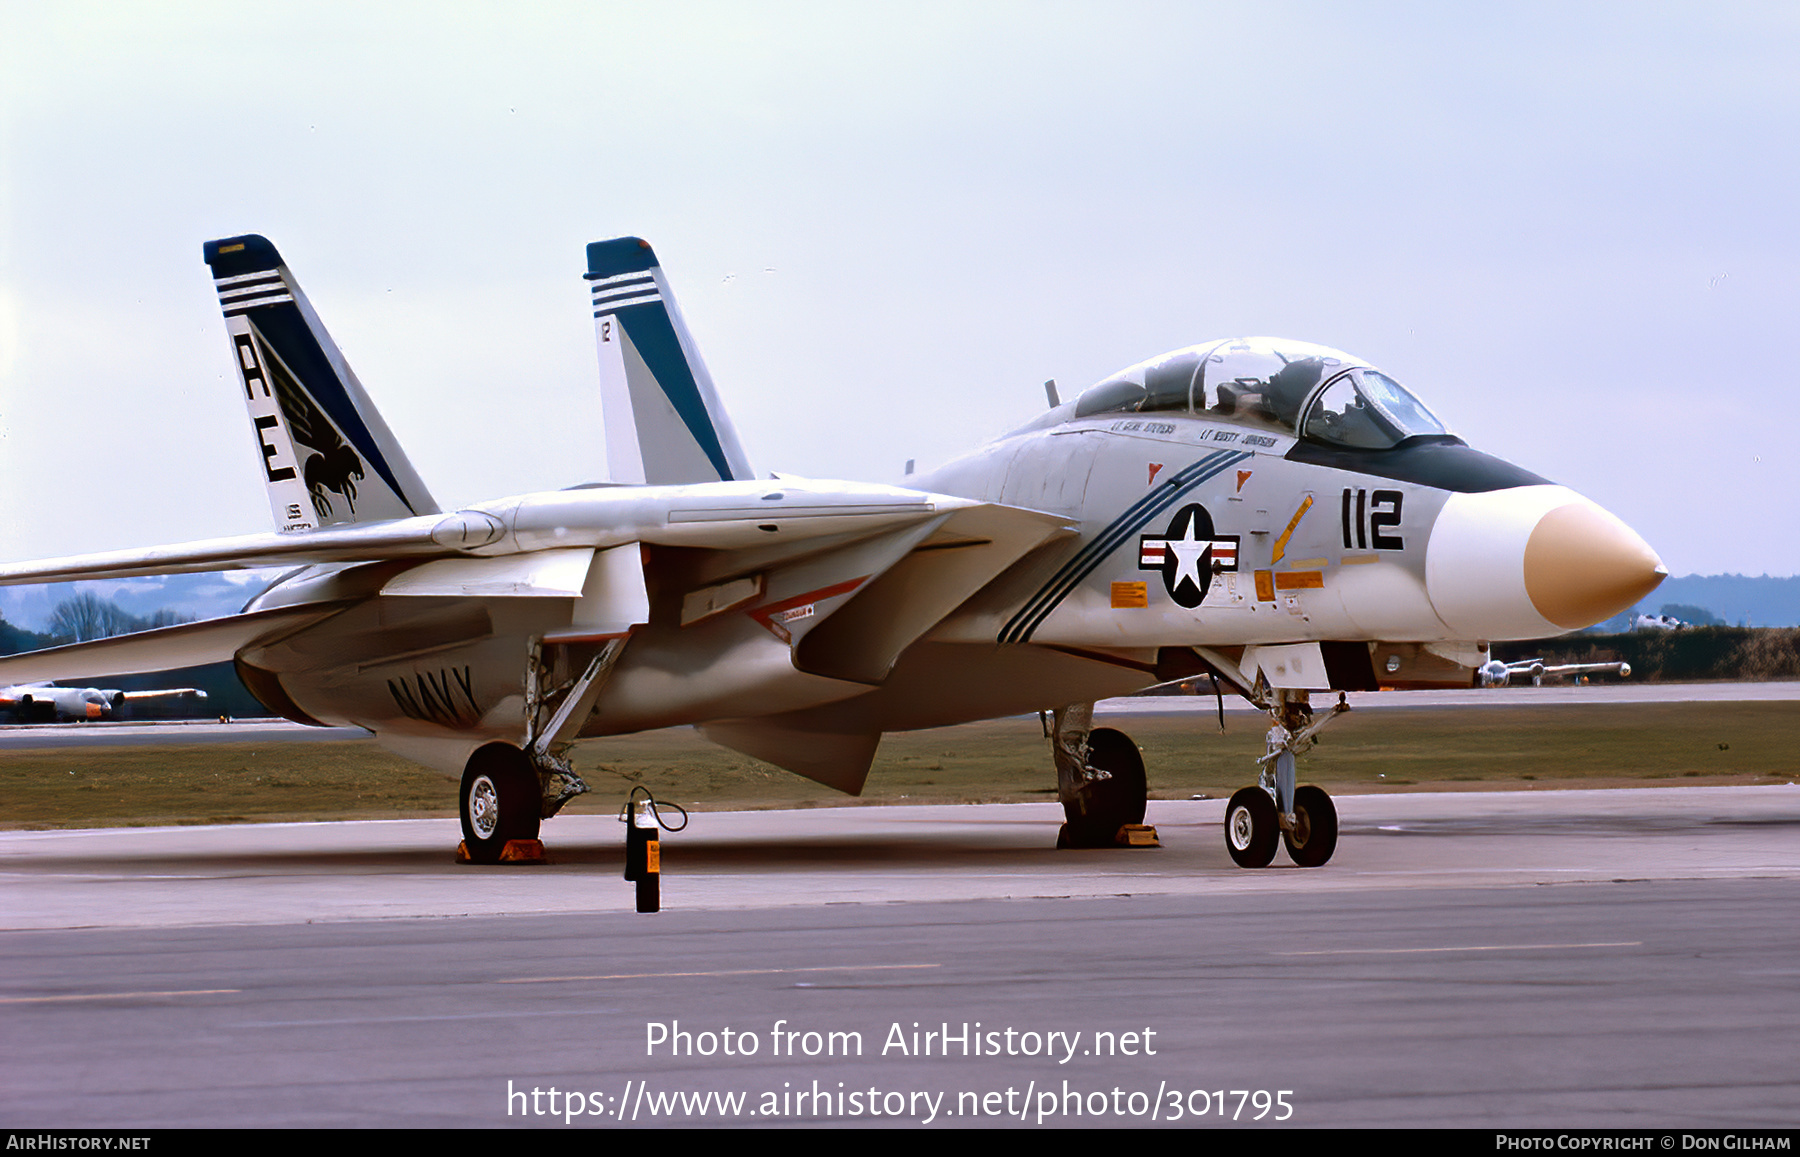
1099 779
1275 810
499 801
508 791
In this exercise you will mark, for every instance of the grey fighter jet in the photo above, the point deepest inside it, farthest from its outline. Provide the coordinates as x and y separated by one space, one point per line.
1282 517
1495 673
48 703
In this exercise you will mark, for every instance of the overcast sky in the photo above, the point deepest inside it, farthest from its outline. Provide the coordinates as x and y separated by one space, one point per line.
1570 228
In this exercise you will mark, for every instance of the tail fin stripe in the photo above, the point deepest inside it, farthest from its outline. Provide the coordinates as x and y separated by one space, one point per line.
245 278
624 289
636 293
249 290
237 296
248 285
613 307
235 309
602 284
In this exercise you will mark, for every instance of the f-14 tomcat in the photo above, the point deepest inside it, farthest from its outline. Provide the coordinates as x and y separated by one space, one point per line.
1282 517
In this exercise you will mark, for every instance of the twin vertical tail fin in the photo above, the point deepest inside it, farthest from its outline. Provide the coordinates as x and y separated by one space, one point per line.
665 424
328 458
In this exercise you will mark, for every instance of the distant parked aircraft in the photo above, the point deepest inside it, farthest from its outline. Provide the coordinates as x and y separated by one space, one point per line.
48 703
1494 673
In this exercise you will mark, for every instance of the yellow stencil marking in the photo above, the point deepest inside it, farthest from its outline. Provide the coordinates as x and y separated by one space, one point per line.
1281 543
1128 595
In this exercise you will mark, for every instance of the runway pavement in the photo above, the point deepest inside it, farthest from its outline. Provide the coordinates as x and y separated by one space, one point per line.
133 734
1584 958
737 861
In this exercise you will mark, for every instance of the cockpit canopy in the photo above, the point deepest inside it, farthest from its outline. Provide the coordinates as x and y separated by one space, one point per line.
1321 394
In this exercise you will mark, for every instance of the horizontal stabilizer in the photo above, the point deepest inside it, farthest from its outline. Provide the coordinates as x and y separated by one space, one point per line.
373 542
163 649
716 517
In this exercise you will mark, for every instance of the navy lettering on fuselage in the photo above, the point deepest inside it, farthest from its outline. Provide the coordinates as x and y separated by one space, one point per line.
446 697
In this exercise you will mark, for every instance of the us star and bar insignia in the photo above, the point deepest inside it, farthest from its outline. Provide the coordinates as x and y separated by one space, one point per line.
1188 554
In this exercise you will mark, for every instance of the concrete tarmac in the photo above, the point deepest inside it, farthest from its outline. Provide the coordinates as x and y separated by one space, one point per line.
1570 959
737 861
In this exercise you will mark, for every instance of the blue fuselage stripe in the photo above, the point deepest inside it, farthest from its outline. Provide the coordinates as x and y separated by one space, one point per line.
1120 531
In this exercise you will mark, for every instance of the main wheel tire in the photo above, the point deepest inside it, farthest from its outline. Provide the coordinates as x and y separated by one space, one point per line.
500 801
1112 802
1315 832
1252 828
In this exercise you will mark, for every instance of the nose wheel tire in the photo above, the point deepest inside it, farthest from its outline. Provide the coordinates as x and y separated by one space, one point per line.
1315 832
500 801
1252 828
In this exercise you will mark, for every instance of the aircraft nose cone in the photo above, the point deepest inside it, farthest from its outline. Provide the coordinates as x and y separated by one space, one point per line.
1530 561
1583 565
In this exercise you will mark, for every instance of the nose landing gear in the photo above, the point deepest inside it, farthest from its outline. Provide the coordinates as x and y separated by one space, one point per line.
1275 810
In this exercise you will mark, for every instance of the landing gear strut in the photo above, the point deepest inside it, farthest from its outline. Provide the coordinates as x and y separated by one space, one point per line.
1099 779
1275 810
507 790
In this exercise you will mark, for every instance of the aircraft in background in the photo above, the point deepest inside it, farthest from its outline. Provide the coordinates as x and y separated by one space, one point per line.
1494 673
48 703
1280 516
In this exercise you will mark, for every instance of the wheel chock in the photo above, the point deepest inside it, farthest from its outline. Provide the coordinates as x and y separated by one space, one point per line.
515 852
1128 836
1137 836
